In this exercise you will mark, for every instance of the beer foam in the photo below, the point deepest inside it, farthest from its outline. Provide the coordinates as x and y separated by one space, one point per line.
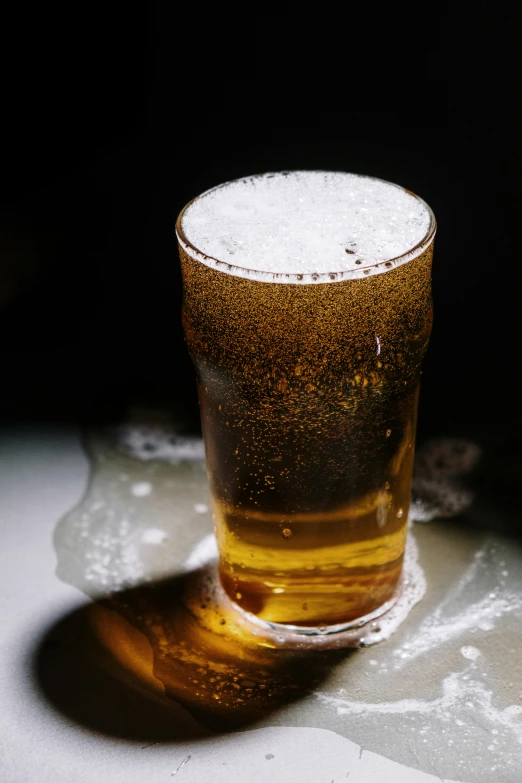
324 225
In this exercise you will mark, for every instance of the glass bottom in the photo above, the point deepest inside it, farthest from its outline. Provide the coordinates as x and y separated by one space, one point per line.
355 633
320 630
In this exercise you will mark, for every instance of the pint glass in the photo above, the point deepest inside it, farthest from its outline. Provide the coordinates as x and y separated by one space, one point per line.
307 311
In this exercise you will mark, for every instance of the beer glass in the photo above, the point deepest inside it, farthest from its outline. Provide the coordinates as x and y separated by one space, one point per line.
307 311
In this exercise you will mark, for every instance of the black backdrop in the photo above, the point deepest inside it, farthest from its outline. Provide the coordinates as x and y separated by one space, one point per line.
113 120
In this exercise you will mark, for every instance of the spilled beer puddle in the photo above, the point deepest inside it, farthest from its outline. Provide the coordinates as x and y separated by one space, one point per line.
140 546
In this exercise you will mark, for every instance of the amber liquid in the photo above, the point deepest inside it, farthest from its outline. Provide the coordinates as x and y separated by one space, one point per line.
315 534
308 396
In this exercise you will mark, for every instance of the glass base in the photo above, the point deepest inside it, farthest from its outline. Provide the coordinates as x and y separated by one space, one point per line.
355 633
320 630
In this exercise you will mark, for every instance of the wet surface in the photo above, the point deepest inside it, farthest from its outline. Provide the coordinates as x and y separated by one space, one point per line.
443 694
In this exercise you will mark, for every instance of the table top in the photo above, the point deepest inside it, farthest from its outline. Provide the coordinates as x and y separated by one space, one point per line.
107 689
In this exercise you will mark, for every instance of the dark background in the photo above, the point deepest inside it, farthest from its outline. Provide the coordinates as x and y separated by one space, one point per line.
113 120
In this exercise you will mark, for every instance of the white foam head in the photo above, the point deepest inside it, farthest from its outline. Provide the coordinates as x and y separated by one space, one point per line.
305 226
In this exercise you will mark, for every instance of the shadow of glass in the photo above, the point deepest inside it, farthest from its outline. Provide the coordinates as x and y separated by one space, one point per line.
167 661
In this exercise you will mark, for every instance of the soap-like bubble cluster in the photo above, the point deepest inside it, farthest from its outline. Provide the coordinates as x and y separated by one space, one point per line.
305 223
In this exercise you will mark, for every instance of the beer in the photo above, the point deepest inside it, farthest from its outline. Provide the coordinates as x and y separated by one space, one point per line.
307 312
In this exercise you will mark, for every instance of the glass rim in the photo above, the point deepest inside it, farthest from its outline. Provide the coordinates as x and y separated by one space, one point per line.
380 267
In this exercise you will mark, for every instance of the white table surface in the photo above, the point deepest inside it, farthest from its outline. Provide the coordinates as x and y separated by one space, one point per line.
440 700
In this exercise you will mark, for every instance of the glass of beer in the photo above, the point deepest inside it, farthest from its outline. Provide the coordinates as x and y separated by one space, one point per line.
307 311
